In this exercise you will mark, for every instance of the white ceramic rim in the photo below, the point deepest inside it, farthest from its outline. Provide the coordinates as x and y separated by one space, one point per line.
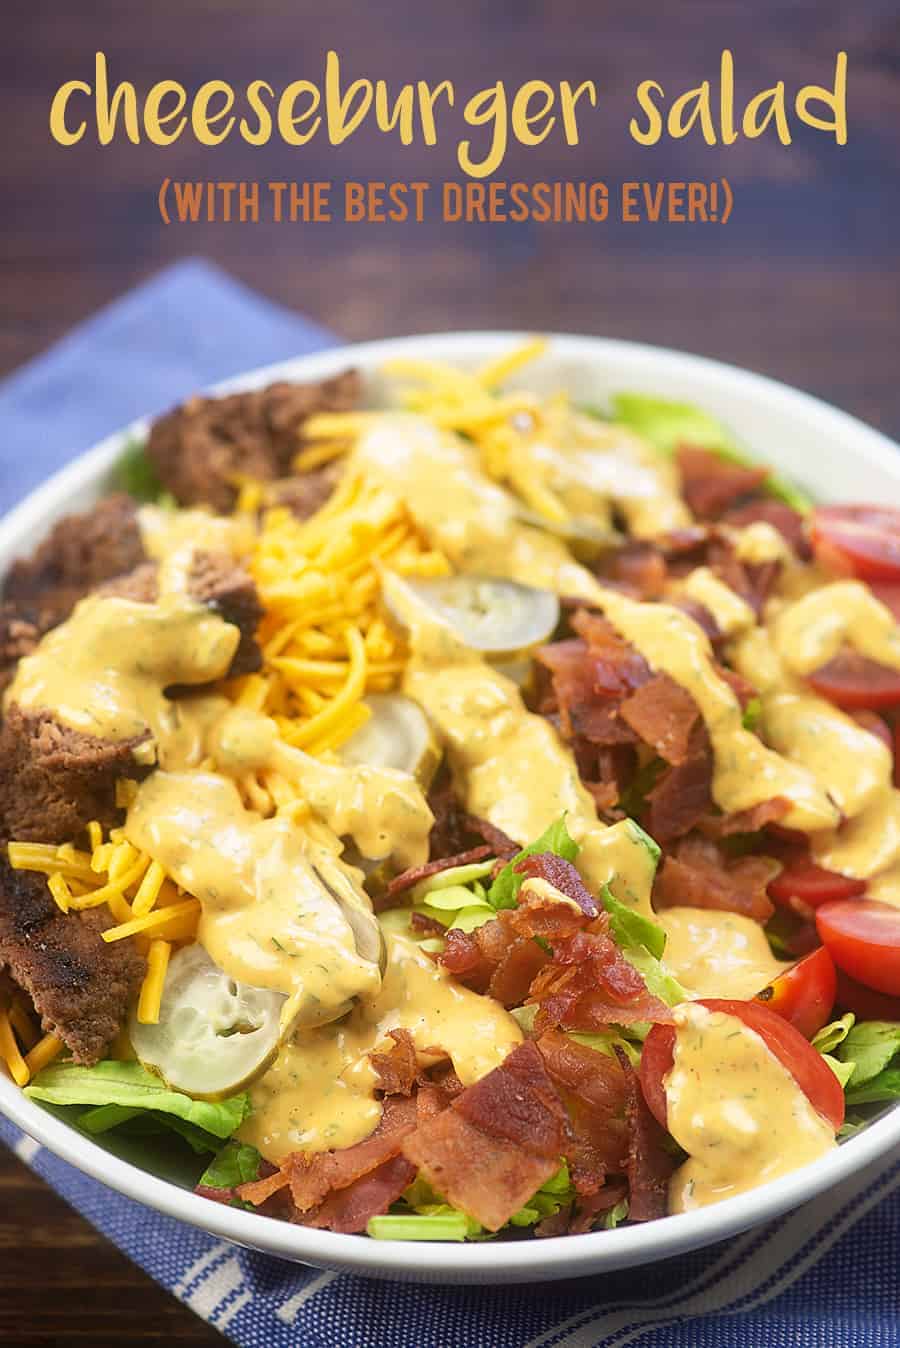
643 367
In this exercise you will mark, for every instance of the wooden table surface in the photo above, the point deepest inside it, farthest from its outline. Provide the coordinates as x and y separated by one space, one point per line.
803 283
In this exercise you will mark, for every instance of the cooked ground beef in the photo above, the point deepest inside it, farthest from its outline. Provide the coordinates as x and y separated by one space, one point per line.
198 448
305 493
79 984
226 588
79 553
18 637
54 780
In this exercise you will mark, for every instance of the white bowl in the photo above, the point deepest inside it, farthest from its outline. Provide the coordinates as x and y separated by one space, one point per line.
832 454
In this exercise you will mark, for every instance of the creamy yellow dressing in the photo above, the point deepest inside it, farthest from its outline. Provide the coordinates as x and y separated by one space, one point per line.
164 531
812 631
103 671
474 522
732 614
510 765
760 542
735 1110
593 466
278 904
746 772
319 1093
715 954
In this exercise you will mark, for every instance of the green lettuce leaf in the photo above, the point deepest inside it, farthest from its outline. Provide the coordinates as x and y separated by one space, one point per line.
666 425
135 474
872 1050
237 1163
130 1086
607 1041
870 1046
642 942
504 891
842 1070
828 1038
630 928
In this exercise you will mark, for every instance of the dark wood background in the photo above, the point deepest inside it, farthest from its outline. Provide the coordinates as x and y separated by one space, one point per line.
803 283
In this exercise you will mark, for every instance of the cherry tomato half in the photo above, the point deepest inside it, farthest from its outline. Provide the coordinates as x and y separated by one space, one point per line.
865 1003
804 995
888 591
811 1073
867 538
812 884
853 681
863 937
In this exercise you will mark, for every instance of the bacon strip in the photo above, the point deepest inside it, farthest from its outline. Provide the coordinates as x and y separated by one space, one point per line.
662 714
497 1143
397 1071
711 484
698 875
410 877
589 984
595 1091
649 1160
562 875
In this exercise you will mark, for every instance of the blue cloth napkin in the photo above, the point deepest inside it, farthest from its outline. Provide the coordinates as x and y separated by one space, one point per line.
825 1276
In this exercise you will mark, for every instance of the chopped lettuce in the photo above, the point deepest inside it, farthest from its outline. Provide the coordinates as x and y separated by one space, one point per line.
504 891
608 1040
828 1038
873 1050
422 1214
642 942
630 928
616 1215
668 424
751 714
130 1087
135 474
643 837
237 1163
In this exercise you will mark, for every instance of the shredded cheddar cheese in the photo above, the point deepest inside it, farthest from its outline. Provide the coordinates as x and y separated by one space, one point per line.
325 644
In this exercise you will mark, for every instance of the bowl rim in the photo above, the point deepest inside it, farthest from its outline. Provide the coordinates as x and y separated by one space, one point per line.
567 1256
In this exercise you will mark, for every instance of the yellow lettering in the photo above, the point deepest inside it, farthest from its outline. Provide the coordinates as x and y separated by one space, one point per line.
523 120
386 117
289 119
568 99
154 117
341 122
263 130
726 99
485 107
108 109
690 108
772 100
201 117
835 99
427 99
58 129
645 91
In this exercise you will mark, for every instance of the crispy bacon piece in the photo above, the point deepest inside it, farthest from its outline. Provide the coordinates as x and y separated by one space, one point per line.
588 984
619 667
396 1071
711 484
313 1177
649 1160
698 875
662 714
349 1209
562 875
638 568
591 1206
746 821
497 1143
410 877
595 1091
500 843
454 830
753 581
682 794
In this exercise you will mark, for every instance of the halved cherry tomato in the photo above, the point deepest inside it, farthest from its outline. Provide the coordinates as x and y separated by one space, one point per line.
866 537
865 1003
812 884
811 1073
804 995
851 681
888 591
863 937
897 754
